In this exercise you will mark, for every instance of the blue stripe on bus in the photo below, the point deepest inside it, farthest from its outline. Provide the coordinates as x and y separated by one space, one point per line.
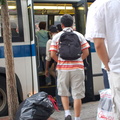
20 51
29 50
92 47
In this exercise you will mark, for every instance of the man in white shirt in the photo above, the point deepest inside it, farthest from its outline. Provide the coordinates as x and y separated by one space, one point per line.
103 24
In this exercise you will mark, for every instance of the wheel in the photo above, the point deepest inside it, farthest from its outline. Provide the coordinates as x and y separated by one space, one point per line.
3 97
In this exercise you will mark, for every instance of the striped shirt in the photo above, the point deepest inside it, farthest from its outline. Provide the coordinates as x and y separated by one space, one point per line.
68 64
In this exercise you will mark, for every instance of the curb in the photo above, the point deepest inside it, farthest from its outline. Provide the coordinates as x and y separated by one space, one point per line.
6 118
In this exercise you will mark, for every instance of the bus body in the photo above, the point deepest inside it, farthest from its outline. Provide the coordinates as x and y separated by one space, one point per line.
24 15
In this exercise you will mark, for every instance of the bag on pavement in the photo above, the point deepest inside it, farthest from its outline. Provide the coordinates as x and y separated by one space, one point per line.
69 46
104 111
37 107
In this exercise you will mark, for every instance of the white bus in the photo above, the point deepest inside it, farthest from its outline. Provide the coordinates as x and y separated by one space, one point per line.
24 15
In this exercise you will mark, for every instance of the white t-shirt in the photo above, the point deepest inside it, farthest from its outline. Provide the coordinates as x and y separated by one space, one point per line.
48 56
103 21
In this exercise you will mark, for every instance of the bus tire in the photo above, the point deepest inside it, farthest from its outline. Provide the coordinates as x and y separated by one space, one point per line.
3 97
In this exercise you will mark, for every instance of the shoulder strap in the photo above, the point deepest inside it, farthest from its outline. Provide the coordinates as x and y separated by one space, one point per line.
67 31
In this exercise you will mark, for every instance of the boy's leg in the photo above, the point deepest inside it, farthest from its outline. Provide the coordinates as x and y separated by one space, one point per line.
65 102
78 90
63 86
63 83
77 107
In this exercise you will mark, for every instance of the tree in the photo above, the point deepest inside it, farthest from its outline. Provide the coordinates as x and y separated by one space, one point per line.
9 61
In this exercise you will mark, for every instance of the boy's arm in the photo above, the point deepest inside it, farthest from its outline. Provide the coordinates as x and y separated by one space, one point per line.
85 53
54 55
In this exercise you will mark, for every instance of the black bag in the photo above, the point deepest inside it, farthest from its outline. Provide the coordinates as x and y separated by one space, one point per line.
37 107
69 46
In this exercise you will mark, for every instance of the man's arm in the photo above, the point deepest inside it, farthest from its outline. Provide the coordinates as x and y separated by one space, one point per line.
47 68
54 55
48 58
101 51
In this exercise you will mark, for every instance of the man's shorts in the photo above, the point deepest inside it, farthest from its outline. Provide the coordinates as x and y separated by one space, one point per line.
114 80
71 79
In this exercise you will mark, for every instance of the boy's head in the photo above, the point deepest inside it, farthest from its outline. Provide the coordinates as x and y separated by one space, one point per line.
59 28
67 20
53 29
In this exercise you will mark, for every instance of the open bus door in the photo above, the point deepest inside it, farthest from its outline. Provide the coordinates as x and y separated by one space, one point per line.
80 18
51 12
33 40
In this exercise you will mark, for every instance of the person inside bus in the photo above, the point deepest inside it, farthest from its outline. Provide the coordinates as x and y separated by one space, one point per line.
70 71
59 28
42 38
14 29
54 29
50 64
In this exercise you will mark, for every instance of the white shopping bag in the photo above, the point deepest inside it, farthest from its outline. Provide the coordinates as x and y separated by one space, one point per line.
104 111
104 115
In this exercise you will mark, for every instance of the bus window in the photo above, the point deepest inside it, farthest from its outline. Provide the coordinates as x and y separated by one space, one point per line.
14 14
58 18
14 29
13 19
40 18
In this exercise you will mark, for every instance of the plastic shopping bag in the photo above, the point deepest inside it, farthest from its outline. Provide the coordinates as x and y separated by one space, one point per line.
104 111
37 107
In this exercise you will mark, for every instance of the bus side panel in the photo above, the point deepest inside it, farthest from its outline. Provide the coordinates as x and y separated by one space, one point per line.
28 25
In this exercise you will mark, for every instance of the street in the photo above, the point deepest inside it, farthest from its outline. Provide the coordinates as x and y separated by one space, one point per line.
89 112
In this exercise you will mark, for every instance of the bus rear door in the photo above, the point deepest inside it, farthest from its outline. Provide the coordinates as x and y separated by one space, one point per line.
51 12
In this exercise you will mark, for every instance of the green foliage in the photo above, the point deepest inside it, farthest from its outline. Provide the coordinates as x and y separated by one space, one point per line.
2 2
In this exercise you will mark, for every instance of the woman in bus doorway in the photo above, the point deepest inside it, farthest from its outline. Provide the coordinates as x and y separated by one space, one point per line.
42 38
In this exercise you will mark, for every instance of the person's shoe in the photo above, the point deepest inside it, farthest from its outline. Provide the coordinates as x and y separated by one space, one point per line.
68 117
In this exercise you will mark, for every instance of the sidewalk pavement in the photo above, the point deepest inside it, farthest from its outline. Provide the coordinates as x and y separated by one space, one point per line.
88 112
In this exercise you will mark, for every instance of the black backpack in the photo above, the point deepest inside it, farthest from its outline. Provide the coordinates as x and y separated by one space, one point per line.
69 46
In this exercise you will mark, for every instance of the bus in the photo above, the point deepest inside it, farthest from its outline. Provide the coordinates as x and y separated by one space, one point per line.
24 18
